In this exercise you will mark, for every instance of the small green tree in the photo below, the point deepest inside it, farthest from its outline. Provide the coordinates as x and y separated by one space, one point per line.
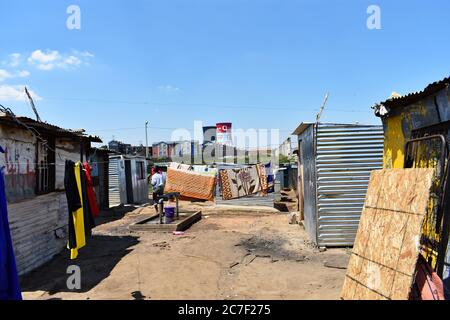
283 159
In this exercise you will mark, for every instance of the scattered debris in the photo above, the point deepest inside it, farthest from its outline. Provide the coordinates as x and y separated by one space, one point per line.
178 233
248 259
161 245
294 218
274 247
336 262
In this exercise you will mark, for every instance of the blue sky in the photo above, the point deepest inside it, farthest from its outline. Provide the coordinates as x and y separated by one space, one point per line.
256 63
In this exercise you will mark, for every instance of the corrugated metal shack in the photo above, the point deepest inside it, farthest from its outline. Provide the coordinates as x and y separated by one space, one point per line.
128 183
288 176
417 135
335 162
34 159
99 160
254 200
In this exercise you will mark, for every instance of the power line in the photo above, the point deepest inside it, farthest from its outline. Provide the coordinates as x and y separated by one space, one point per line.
169 128
176 104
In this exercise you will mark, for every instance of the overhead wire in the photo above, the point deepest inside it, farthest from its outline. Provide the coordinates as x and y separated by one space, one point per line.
176 104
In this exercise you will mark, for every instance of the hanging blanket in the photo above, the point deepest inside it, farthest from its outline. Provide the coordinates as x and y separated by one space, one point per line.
190 184
205 170
238 183
9 280
180 166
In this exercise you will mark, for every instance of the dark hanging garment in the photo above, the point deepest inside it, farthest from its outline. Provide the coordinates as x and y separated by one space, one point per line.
9 279
73 200
89 222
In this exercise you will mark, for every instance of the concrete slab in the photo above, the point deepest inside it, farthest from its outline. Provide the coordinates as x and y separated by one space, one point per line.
152 223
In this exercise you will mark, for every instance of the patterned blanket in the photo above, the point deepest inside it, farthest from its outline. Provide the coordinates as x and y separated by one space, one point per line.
190 184
238 183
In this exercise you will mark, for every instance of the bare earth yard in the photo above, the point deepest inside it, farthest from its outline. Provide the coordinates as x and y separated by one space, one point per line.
226 255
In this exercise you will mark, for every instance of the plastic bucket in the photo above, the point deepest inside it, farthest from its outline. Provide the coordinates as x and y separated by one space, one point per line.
169 213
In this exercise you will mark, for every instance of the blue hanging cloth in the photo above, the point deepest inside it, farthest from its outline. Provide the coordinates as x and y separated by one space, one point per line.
9 280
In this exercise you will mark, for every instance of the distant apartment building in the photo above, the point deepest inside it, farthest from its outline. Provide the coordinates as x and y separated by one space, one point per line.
186 151
119 147
140 151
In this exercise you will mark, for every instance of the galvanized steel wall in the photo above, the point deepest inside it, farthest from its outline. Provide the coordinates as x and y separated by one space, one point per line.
117 194
345 157
307 159
140 186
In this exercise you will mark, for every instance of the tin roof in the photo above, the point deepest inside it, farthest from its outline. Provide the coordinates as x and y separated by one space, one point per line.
301 128
305 125
9 119
405 100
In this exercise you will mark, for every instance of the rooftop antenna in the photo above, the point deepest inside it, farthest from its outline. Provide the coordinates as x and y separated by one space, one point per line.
322 107
32 105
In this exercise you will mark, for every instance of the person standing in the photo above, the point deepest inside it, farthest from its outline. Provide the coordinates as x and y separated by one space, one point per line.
157 186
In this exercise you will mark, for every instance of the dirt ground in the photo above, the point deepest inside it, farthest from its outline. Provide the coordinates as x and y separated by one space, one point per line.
232 253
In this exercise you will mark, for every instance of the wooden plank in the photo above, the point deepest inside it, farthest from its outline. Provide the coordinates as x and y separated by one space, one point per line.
388 240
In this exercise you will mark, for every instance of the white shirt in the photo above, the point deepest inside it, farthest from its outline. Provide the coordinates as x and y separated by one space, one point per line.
157 180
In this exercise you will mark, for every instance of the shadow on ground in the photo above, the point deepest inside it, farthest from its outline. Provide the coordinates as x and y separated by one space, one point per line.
281 207
96 261
113 214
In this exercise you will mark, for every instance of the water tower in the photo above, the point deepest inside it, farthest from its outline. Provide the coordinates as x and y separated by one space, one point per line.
224 134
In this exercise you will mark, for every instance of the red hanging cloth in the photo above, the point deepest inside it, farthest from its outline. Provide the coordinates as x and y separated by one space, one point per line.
90 190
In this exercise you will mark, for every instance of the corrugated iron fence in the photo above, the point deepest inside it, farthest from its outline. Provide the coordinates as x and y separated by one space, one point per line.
345 157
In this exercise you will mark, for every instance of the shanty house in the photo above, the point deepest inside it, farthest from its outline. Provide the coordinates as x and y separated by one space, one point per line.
34 159
334 166
128 183
417 135
99 160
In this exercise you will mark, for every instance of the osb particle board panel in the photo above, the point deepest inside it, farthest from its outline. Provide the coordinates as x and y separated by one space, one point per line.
387 244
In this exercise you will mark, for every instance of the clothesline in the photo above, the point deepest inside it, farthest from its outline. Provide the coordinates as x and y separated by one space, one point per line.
52 163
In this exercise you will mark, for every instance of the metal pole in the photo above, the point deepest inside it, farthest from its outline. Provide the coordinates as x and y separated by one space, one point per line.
146 140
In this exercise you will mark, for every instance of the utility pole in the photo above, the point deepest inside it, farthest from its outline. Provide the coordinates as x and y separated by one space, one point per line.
30 99
322 107
146 140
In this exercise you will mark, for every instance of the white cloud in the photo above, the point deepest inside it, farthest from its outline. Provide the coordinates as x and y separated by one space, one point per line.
44 60
72 60
47 57
51 59
13 60
168 88
16 93
5 74
85 54
23 74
